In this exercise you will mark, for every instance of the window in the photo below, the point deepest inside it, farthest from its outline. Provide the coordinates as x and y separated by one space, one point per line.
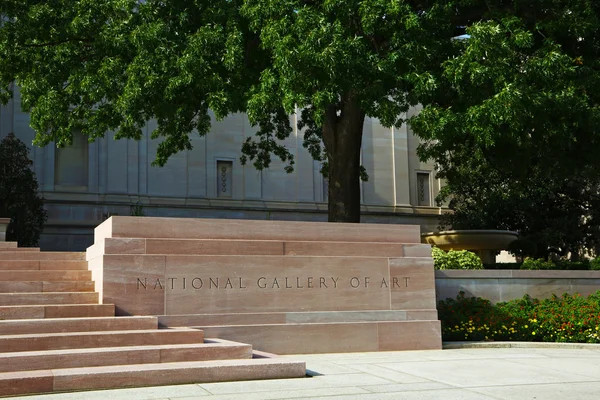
224 178
423 189
71 163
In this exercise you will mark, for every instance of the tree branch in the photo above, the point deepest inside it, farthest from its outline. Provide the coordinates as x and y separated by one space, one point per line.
51 44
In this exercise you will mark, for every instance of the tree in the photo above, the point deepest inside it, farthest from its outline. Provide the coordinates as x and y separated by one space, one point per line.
100 65
19 198
512 122
552 215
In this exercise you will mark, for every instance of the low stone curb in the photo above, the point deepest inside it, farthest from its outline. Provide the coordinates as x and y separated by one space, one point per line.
518 345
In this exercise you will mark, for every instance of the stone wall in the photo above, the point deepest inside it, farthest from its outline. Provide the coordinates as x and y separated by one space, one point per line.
505 285
284 287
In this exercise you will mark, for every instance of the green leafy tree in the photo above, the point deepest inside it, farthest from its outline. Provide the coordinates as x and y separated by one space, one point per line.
19 198
100 65
512 122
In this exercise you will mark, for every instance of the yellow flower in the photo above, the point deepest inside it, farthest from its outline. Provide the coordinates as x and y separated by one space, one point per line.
526 327
533 333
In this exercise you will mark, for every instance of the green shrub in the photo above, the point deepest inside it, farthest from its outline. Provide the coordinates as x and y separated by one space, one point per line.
573 265
569 318
455 259
541 264
595 264
530 263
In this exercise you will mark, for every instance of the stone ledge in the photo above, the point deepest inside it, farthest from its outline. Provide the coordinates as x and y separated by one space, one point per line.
334 337
516 274
518 345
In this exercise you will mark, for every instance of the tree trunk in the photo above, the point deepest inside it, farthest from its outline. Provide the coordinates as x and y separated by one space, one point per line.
342 136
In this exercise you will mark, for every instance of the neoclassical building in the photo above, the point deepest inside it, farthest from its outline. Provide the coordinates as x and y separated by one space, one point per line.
87 182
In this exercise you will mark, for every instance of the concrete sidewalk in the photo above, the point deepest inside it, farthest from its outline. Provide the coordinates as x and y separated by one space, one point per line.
546 373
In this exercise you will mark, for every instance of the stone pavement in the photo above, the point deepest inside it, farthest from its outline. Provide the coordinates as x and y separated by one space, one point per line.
531 372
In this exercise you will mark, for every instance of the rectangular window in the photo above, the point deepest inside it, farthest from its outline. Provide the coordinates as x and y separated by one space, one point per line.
423 189
71 163
224 178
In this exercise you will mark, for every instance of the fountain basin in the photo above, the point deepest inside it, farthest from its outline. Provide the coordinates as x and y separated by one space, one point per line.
483 242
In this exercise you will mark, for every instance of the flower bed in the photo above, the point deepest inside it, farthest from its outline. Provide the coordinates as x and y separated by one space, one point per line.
569 318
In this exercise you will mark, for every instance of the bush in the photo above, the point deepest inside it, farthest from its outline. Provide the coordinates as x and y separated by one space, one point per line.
532 264
455 259
595 264
541 264
19 199
569 318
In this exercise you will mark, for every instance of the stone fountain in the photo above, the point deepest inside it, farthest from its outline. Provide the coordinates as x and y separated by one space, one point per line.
483 242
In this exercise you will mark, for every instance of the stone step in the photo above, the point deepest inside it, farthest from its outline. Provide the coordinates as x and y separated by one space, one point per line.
46 276
58 325
333 337
262 247
36 286
85 340
43 381
8 245
23 299
76 358
57 311
36 265
42 255
20 249
204 228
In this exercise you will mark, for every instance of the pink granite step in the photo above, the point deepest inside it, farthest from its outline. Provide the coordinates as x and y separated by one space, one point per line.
75 358
37 265
41 256
82 340
57 325
271 247
58 275
41 381
18 299
8 245
20 249
204 228
57 311
37 286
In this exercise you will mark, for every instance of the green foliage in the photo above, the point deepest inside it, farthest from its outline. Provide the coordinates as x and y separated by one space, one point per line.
540 264
595 264
530 263
111 65
523 248
512 123
137 210
570 318
455 259
19 199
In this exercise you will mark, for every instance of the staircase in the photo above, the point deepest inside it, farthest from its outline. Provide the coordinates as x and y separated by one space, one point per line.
55 336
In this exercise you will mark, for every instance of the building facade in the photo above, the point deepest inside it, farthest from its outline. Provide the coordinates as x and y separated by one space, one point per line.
86 183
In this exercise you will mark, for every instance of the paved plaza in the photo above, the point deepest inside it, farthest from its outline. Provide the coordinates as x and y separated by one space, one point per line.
532 372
